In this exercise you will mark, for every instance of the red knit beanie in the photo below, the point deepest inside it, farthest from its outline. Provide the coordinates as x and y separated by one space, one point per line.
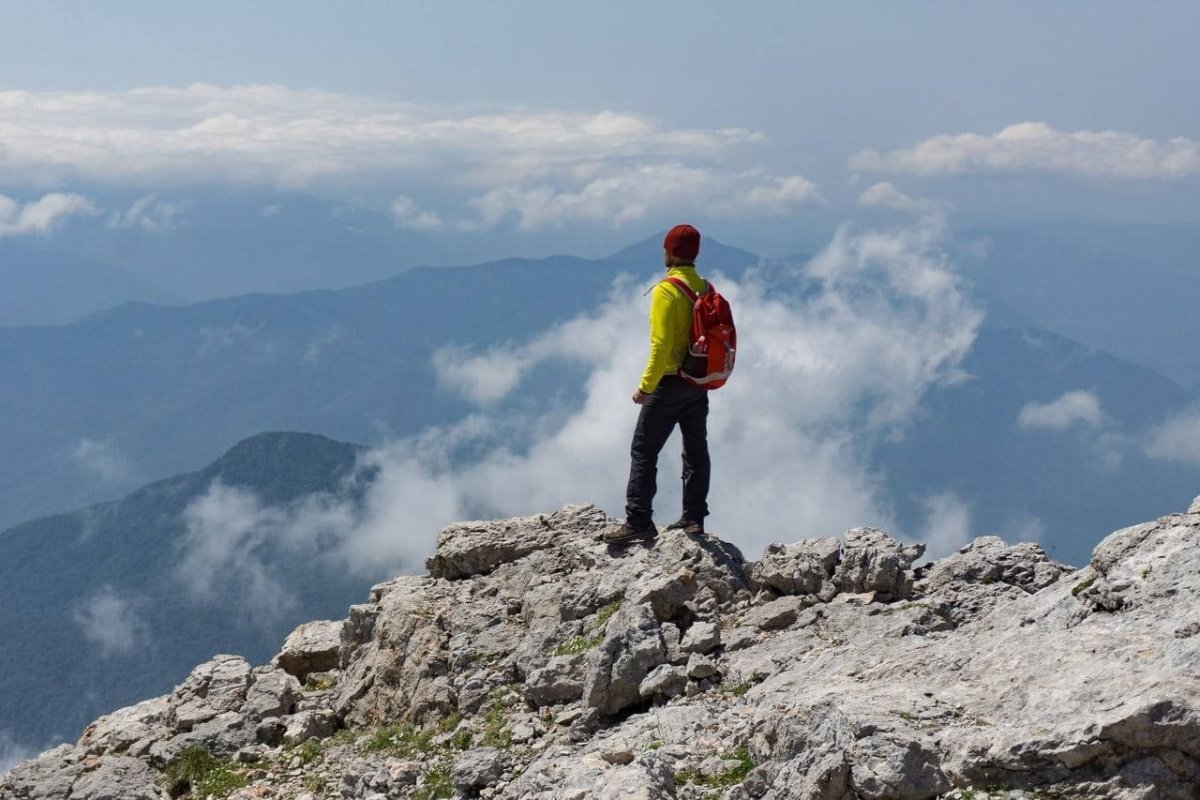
683 241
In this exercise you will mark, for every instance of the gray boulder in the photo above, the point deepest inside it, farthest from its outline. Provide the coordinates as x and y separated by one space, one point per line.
805 567
665 681
560 681
633 646
312 647
476 769
872 561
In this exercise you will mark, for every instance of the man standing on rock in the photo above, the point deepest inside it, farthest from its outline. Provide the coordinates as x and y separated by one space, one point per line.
668 400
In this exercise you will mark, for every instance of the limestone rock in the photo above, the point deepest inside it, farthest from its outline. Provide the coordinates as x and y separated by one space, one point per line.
805 567
477 768
213 688
476 548
305 725
664 681
312 647
779 613
872 561
702 637
1194 508
994 666
560 681
633 646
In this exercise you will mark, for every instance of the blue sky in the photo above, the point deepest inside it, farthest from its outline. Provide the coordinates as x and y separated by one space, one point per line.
585 111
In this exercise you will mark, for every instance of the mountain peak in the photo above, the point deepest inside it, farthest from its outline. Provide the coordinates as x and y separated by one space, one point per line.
534 661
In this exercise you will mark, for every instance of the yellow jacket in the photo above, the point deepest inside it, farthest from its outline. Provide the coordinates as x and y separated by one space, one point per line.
670 325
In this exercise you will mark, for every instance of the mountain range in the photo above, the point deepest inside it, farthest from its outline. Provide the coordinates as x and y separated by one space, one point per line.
100 605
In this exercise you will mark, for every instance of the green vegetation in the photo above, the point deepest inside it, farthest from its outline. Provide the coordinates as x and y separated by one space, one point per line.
1082 585
494 732
320 684
436 783
402 740
461 740
655 745
605 614
308 751
197 771
582 644
737 689
578 644
730 777
450 722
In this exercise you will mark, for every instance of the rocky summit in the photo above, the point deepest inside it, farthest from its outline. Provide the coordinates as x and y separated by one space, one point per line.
534 661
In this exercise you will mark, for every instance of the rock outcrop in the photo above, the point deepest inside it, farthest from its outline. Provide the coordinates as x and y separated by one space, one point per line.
533 661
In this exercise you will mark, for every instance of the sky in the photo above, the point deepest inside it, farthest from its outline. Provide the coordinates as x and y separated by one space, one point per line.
561 123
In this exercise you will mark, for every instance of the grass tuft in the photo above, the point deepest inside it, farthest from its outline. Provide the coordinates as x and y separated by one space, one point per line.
198 771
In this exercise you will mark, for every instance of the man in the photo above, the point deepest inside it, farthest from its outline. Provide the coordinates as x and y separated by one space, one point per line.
668 400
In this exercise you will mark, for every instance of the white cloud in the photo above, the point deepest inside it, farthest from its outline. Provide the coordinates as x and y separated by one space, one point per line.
12 752
819 379
103 458
545 167
1177 439
827 371
947 524
227 531
147 213
624 195
40 216
886 195
1073 408
408 214
110 621
1037 147
323 342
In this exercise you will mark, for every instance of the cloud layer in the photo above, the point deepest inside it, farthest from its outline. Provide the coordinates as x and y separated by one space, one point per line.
836 362
40 216
110 621
1177 439
539 167
1072 408
1037 147
11 752
836 357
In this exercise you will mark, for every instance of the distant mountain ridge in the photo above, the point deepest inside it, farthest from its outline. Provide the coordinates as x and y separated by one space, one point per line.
94 608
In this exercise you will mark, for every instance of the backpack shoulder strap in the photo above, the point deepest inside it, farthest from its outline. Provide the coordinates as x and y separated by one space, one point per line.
682 286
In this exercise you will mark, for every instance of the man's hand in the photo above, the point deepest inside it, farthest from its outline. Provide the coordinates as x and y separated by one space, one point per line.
640 397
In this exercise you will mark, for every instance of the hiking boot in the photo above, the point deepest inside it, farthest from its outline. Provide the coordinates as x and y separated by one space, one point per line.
688 525
629 533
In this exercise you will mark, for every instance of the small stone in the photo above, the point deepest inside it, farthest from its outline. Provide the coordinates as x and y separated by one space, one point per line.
620 756
700 667
568 716
247 755
777 614
664 681
741 638
522 733
477 768
702 637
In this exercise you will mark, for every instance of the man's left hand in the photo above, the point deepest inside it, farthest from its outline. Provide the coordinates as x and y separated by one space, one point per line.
640 397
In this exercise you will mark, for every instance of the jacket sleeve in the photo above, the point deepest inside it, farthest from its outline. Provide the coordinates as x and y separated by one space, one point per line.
662 323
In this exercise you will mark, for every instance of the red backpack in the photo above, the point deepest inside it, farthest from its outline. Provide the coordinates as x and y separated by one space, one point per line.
713 343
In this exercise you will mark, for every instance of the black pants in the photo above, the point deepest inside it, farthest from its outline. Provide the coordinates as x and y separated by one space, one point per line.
674 402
